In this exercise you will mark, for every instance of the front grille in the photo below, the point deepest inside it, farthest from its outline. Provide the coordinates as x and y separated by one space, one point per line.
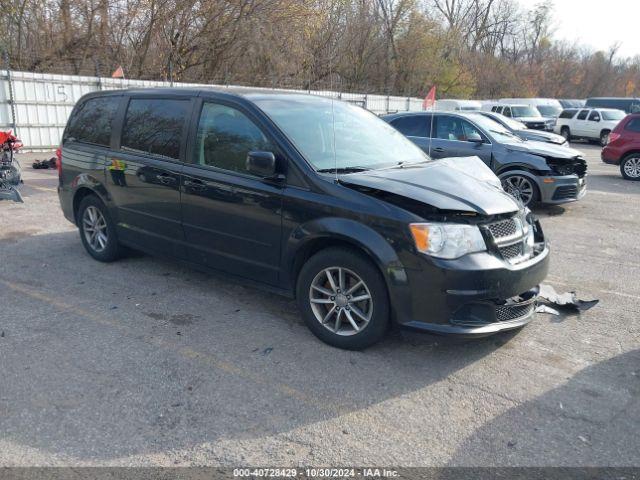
504 313
566 192
512 251
536 125
505 228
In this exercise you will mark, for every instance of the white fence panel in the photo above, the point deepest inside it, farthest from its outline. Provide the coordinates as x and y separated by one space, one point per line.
39 104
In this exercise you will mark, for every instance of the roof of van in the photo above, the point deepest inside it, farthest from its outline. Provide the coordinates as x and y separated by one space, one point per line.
249 92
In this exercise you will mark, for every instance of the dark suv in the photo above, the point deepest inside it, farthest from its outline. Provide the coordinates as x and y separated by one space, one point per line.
307 197
531 171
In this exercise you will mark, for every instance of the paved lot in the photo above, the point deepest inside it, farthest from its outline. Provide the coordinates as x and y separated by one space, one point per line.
145 362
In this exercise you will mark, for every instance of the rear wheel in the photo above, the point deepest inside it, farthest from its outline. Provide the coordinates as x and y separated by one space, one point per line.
97 230
566 133
521 187
604 138
630 167
343 299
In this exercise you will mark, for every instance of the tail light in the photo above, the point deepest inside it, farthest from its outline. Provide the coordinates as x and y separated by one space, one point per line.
59 161
613 137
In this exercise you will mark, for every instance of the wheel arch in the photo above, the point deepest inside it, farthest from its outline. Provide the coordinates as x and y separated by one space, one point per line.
311 238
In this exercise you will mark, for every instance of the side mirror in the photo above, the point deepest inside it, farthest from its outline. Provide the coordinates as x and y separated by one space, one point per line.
474 138
262 164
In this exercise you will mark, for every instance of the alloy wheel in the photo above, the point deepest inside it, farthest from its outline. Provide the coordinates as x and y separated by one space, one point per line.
632 167
341 301
94 228
519 187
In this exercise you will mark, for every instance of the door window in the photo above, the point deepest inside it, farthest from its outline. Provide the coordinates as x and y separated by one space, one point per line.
225 137
92 122
583 114
594 117
413 125
449 128
155 126
507 112
470 131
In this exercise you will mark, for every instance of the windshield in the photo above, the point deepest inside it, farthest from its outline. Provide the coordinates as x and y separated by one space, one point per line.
520 112
549 110
493 127
613 114
362 140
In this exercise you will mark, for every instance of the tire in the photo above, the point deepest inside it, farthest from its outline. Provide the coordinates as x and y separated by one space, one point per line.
566 133
604 137
371 315
103 246
630 167
521 187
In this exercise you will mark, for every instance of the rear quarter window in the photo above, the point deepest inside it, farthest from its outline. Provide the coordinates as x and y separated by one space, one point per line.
633 125
154 126
92 122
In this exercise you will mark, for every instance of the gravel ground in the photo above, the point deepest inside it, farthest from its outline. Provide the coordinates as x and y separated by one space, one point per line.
146 362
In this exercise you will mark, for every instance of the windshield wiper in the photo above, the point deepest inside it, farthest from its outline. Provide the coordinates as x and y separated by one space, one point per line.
344 170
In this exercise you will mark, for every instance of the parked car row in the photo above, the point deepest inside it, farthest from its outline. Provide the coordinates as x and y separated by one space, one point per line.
322 201
588 123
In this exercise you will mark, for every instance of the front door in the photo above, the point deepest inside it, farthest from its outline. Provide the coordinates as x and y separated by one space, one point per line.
232 219
143 175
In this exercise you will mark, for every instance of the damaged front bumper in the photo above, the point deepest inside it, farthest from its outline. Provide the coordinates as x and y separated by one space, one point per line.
473 296
562 189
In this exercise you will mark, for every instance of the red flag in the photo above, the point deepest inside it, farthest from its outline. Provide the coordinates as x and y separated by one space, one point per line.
118 73
430 99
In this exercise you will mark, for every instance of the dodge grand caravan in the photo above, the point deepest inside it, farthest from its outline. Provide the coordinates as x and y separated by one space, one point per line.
312 198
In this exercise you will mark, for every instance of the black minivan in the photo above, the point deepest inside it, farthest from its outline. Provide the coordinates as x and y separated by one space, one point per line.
306 196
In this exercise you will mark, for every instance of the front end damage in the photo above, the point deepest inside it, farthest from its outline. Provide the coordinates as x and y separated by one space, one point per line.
478 293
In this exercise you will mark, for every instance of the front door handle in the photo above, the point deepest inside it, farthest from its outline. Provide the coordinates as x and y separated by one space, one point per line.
197 185
166 179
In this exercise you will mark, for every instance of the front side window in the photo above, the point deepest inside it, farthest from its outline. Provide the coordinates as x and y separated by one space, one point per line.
594 116
155 126
93 120
583 114
225 137
506 112
413 125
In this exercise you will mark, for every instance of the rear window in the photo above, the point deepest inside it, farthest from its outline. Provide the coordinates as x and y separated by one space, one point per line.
633 125
569 113
413 126
155 126
92 122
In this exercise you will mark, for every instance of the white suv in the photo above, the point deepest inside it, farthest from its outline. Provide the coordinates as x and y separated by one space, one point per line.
588 123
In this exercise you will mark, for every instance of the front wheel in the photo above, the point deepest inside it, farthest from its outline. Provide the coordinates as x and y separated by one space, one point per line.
343 299
630 167
521 188
566 133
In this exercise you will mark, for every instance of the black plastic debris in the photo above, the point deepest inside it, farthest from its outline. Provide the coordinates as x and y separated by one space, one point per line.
566 301
44 164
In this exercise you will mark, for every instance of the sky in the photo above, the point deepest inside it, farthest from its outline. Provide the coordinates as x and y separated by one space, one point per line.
597 23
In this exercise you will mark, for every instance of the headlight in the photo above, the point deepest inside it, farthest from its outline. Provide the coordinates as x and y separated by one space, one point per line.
447 240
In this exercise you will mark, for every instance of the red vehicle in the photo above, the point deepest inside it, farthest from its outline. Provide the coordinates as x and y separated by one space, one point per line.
624 147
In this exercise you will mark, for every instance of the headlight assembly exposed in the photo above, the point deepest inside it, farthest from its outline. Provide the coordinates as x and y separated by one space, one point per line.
447 240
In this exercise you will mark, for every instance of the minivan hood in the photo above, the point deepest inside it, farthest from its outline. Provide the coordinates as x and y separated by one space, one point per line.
457 184
543 149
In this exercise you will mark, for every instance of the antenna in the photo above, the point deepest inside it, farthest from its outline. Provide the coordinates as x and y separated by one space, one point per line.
333 114
433 117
